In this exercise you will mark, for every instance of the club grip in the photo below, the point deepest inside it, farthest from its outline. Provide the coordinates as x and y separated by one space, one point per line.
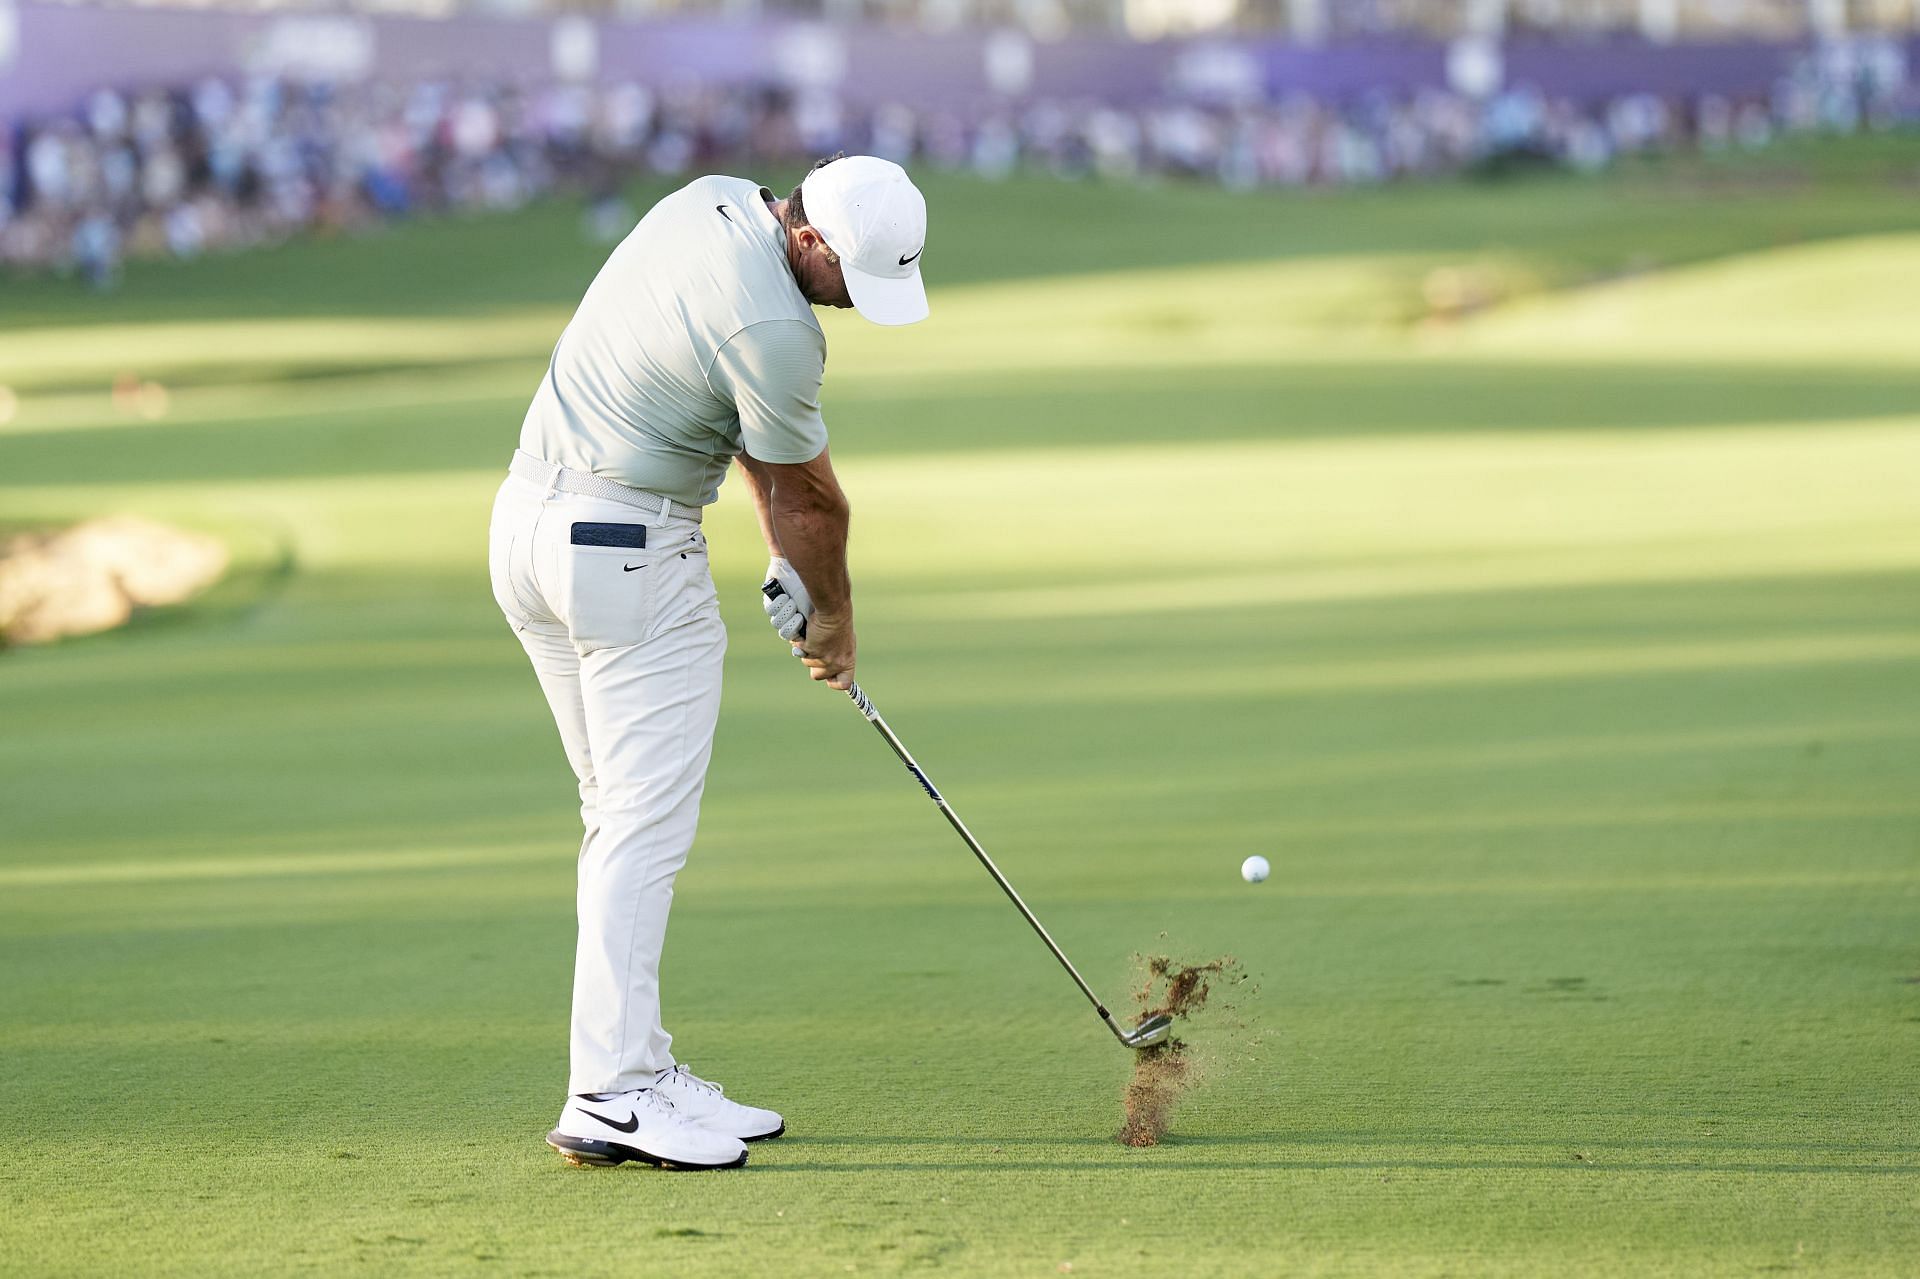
861 701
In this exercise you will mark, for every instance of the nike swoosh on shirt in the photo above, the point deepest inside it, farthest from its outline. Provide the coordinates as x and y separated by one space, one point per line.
722 210
916 253
629 568
633 1120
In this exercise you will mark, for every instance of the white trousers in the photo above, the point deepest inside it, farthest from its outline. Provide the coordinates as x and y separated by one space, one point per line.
627 645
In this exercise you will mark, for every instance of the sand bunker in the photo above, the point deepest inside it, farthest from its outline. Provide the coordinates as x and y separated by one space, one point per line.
1163 1074
97 575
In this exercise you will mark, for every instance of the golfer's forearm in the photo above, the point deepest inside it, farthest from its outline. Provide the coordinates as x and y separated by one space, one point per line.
812 535
760 487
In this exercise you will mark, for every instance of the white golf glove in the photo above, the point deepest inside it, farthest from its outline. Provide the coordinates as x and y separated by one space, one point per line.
785 599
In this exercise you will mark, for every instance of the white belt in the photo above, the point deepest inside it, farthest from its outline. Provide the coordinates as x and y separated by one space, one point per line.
553 477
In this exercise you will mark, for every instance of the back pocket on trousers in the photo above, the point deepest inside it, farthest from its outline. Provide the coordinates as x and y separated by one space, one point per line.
610 595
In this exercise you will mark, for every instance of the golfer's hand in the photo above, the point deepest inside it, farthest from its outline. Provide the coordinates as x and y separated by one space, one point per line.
827 650
785 599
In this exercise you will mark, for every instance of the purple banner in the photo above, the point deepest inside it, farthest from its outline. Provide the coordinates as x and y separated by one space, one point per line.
59 53
1588 72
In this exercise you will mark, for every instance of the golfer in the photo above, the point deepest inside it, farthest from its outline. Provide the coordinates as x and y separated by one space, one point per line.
695 347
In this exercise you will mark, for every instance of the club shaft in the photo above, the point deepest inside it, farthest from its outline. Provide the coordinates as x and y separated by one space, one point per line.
866 707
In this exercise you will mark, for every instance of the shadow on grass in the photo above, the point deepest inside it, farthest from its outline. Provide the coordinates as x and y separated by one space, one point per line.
264 374
1427 1138
1158 1162
1285 1154
1048 409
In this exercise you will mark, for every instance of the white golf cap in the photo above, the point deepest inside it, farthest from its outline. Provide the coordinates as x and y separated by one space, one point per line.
874 218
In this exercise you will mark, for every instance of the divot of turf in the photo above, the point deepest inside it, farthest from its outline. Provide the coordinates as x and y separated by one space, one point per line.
1164 1073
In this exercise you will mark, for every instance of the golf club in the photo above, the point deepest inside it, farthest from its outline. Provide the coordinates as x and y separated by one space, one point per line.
1153 1030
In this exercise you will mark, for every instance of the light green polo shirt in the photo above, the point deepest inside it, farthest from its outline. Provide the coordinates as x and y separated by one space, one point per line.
693 344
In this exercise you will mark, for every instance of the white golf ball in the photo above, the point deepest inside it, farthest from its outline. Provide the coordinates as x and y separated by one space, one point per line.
1254 869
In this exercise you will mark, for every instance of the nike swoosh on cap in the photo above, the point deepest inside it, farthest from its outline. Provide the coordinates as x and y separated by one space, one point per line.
916 253
721 209
633 1120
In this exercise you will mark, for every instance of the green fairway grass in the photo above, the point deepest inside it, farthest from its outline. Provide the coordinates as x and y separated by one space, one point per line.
1562 656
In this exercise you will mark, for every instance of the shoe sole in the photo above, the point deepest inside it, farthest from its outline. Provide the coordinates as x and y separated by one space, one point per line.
781 1131
585 1152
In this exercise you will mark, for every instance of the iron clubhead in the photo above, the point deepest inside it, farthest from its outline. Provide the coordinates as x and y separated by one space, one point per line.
1154 1030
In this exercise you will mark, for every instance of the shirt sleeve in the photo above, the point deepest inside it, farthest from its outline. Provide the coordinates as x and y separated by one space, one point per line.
771 371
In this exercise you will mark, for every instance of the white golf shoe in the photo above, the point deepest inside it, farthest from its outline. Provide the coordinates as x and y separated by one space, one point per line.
603 1129
706 1104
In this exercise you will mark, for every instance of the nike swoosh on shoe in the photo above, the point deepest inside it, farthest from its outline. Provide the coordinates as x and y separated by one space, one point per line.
633 1120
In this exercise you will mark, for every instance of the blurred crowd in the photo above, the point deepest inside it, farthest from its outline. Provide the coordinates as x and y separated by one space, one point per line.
219 165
